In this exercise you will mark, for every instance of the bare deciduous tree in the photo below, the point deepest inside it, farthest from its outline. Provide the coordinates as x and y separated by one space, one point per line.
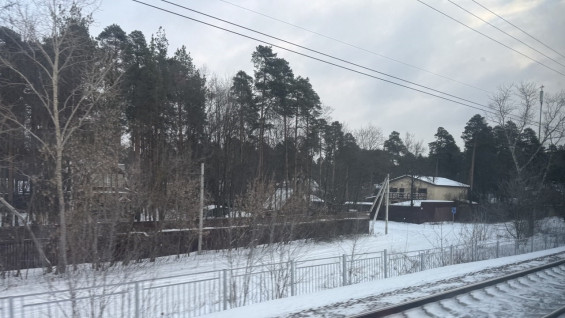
369 137
516 109
413 146
64 74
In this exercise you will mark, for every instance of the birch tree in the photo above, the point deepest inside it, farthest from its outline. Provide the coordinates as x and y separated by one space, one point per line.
516 110
65 76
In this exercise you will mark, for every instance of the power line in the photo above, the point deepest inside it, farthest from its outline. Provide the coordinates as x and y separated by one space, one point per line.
372 52
499 29
357 47
526 33
319 52
482 108
492 39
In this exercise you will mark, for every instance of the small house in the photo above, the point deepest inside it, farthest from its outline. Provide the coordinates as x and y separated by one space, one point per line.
426 188
418 199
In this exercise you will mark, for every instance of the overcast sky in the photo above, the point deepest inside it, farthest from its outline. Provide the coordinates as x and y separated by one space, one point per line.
371 34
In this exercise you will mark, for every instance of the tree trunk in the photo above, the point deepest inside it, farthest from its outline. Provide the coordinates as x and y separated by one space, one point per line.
285 155
295 150
62 263
11 170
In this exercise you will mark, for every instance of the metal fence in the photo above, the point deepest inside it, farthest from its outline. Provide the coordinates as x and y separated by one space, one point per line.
206 292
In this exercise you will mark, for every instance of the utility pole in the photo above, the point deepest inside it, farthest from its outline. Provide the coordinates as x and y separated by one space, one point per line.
201 218
411 189
437 169
384 193
540 108
472 170
387 193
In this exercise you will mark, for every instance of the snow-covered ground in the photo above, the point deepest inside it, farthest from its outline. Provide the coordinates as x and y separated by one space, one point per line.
355 299
401 237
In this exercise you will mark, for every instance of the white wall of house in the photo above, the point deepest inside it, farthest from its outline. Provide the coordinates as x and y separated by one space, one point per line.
433 192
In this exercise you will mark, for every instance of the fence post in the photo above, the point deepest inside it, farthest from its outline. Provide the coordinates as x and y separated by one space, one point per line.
385 263
225 289
451 254
344 269
137 300
421 261
11 306
545 242
442 256
497 248
292 278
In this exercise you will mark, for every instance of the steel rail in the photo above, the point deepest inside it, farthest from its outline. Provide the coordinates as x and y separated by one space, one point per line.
458 291
557 313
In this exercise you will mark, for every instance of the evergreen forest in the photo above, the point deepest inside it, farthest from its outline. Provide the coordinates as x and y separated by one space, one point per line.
78 109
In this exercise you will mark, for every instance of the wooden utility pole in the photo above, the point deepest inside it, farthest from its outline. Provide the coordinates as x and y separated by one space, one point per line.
383 191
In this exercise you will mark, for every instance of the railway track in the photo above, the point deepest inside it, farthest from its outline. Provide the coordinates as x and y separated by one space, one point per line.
536 292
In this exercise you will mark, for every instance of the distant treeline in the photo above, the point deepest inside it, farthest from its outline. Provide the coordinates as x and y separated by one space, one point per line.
161 116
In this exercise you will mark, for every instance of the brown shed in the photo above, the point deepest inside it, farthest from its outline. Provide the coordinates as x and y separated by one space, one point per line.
422 211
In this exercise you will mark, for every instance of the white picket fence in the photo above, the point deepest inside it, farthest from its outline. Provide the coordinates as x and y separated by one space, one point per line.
206 292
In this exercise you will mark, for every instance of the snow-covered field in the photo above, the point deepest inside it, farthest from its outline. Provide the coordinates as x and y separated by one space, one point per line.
401 237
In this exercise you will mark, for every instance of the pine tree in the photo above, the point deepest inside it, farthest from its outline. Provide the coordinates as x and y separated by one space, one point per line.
446 153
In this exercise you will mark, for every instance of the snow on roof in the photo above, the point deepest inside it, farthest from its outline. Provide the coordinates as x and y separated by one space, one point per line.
438 181
418 203
359 203
280 196
314 198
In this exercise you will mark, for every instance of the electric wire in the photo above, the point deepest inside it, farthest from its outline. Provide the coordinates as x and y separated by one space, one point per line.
482 108
386 57
499 29
319 52
492 39
517 27
358 47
